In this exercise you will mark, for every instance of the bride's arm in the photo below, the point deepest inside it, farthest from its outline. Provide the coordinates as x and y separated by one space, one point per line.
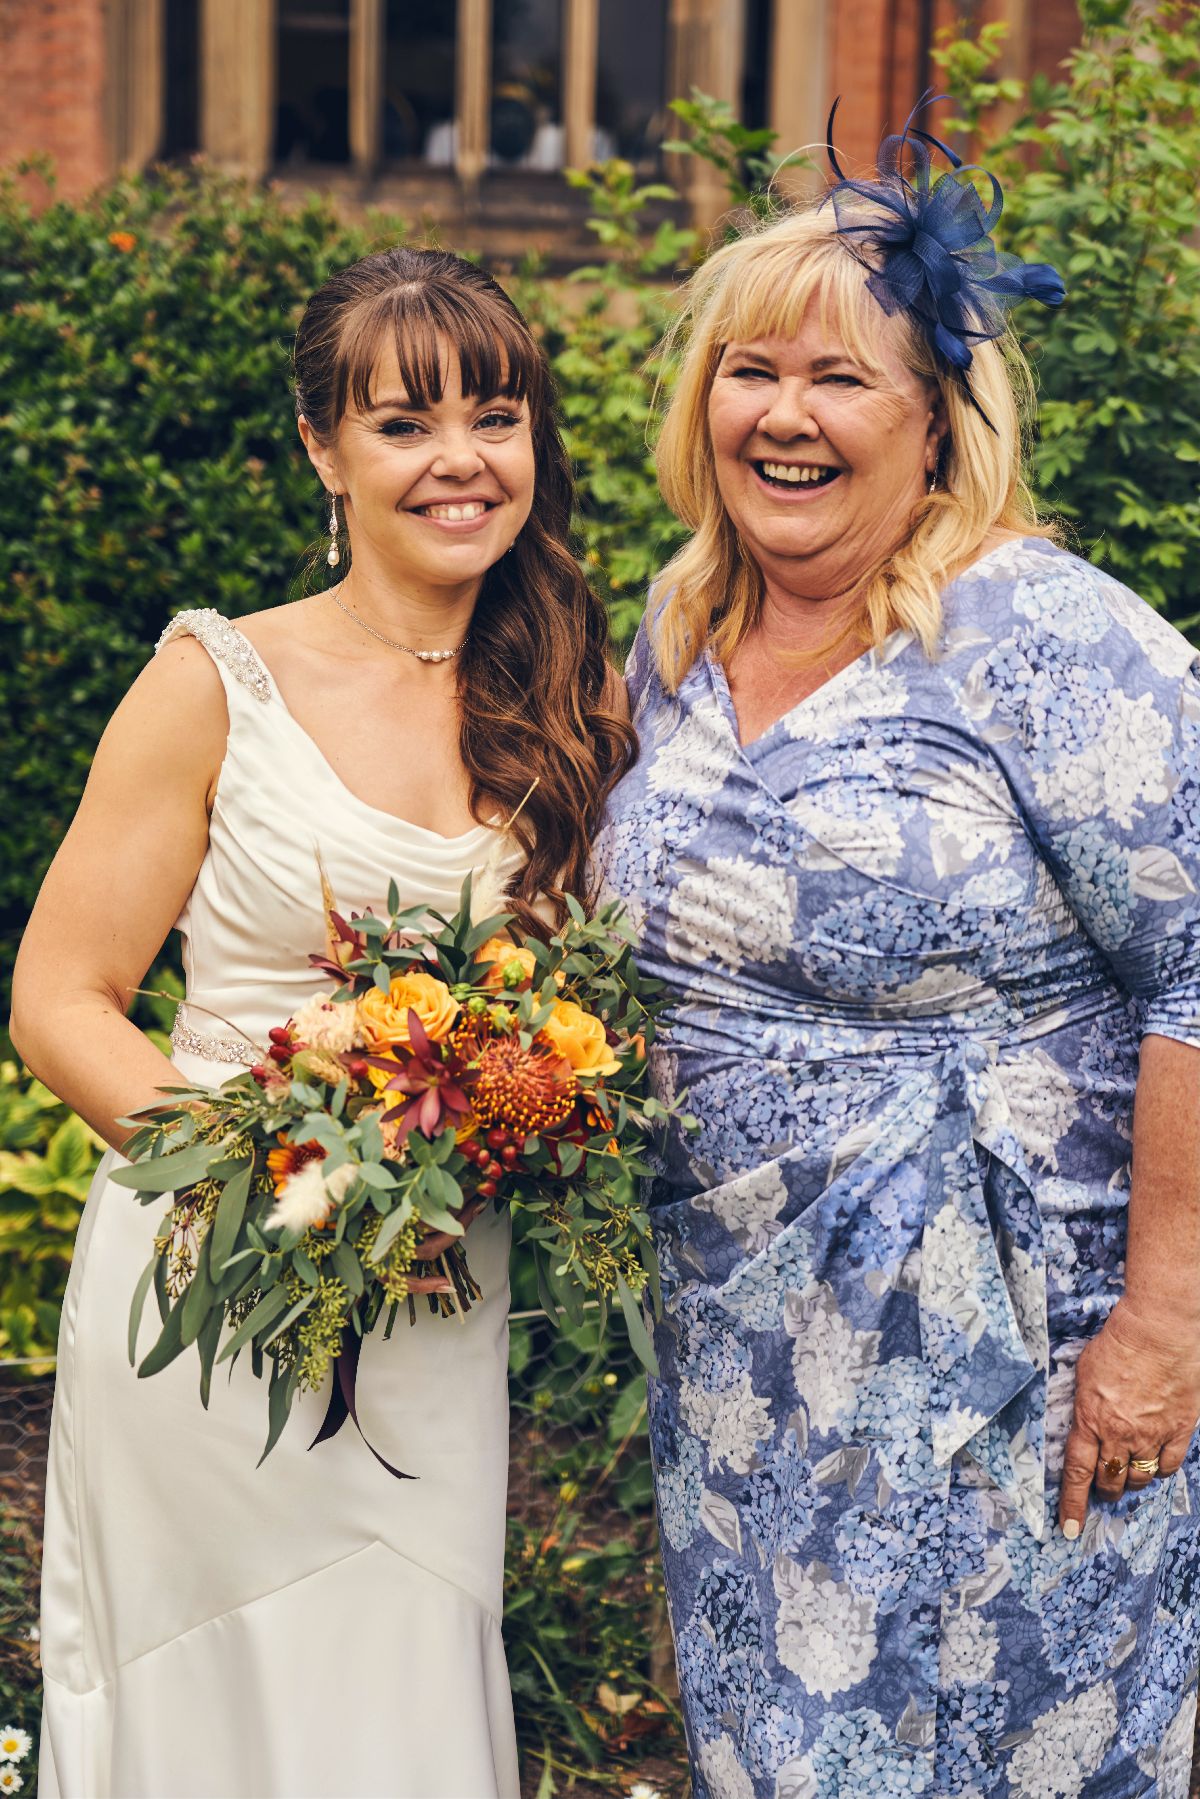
115 889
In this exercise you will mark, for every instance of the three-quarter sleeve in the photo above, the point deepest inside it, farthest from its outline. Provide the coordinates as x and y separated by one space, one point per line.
1090 703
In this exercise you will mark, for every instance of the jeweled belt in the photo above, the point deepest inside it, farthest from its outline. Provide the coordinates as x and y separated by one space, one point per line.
189 1042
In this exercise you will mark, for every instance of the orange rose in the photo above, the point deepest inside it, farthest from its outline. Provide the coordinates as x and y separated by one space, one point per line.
384 1016
581 1039
504 954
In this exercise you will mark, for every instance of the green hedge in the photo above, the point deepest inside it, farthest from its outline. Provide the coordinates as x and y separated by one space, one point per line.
146 428
151 456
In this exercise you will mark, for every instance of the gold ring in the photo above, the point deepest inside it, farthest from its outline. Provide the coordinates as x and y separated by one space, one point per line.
1114 1467
1145 1464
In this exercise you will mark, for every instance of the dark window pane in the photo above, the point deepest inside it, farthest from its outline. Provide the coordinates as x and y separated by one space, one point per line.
313 119
631 73
418 88
527 131
181 89
756 69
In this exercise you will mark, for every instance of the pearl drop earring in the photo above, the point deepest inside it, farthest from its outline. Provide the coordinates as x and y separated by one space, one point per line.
335 555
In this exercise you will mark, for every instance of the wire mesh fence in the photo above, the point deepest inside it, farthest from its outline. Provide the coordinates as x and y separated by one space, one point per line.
588 1645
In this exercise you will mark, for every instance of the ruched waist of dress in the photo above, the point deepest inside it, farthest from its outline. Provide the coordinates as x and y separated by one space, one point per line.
937 1138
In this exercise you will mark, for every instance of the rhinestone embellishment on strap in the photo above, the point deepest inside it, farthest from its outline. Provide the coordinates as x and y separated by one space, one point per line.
225 643
189 1042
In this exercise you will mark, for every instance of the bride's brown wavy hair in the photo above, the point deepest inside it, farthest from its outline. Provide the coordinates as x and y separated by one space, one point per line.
531 678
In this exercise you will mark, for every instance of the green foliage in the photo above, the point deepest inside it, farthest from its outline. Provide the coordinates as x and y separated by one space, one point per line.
150 457
47 1158
740 154
20 1683
600 330
584 1607
1100 180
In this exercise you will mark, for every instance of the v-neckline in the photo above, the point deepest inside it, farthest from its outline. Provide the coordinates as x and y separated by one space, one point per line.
724 693
870 657
394 818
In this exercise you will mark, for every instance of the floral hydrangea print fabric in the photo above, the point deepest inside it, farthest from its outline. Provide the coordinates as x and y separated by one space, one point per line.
913 936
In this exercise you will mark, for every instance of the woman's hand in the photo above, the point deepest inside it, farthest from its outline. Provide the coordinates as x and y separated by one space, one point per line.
1137 1394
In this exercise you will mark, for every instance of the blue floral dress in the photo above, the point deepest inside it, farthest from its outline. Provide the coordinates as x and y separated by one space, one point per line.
913 935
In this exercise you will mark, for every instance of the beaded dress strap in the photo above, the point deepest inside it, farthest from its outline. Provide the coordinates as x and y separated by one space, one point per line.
225 644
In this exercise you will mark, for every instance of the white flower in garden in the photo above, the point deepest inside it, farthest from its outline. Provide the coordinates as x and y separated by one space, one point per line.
10 1780
308 1196
14 1745
641 1789
323 1024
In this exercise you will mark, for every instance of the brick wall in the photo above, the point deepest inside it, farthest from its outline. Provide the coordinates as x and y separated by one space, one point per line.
875 57
53 79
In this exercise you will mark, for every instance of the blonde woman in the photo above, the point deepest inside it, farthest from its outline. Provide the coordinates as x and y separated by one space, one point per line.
915 843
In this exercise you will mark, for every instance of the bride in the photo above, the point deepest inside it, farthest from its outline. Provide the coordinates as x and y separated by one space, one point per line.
313 1626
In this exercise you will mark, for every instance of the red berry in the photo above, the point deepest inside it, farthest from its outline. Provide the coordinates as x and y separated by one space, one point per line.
497 1137
259 1072
493 1171
280 1034
279 1054
509 1155
357 1068
487 1189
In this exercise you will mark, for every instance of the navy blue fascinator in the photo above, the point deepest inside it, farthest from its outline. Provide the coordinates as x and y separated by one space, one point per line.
928 248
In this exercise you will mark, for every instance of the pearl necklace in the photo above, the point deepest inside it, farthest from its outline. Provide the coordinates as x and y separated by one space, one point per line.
421 655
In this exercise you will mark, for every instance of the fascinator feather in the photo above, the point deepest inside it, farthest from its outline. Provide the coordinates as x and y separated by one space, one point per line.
928 250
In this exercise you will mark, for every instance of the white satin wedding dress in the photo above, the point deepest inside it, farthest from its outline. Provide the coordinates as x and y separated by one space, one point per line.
314 1628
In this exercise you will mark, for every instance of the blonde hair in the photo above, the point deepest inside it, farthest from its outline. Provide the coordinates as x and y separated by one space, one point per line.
761 285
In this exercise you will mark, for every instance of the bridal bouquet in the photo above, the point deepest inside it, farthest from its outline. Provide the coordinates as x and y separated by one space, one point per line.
447 1066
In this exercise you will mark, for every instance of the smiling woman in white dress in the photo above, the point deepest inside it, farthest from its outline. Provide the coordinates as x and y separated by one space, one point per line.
313 1626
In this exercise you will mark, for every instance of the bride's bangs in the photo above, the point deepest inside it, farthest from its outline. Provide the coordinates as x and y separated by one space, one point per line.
496 355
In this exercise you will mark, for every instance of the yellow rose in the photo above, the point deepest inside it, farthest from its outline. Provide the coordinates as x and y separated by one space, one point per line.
383 1017
581 1038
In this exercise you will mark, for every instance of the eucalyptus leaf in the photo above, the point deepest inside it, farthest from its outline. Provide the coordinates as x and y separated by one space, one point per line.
206 1343
635 1324
167 1174
138 1306
199 1297
169 1345
231 1210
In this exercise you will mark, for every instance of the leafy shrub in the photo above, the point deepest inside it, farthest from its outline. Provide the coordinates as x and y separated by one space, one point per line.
47 1158
1100 178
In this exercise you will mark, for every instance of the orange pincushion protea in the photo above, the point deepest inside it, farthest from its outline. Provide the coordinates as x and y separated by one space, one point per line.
530 1090
290 1159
